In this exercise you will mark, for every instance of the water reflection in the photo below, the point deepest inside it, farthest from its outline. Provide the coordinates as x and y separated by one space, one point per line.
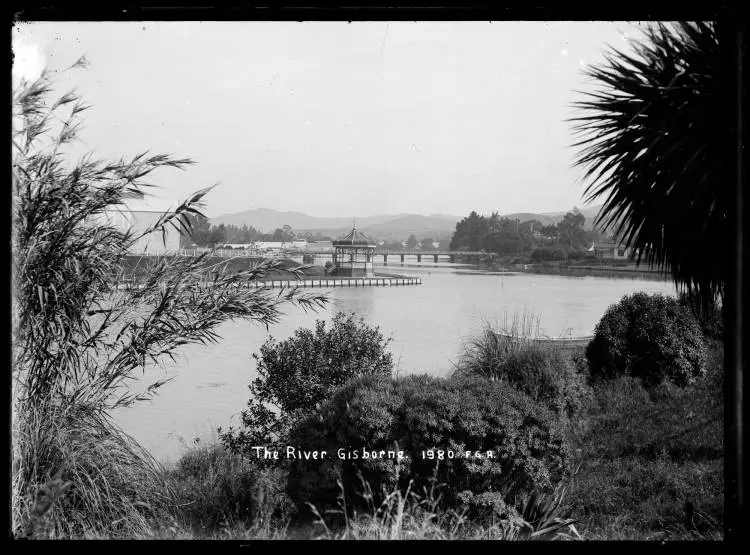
361 301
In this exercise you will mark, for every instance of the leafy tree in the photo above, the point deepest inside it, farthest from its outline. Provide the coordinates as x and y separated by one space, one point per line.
526 229
503 243
570 229
80 344
284 234
411 242
652 141
296 375
200 231
470 233
218 236
550 231
426 244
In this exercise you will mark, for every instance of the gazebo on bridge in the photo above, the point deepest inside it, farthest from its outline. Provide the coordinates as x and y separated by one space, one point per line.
353 255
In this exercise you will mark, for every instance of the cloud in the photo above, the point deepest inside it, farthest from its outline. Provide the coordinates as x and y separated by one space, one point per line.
28 62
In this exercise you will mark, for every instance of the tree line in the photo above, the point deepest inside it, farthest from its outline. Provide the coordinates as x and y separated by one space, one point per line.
506 236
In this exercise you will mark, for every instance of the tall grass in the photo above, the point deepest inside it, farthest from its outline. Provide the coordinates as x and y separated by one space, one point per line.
111 486
412 515
78 344
541 369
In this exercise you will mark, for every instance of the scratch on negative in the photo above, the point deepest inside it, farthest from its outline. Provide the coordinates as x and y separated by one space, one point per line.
382 44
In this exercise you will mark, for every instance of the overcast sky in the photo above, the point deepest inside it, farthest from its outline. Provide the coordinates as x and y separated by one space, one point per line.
335 118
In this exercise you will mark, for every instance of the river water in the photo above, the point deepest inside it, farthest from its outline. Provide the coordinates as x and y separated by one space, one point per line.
428 325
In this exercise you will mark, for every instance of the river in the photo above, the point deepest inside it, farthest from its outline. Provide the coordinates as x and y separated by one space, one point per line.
428 325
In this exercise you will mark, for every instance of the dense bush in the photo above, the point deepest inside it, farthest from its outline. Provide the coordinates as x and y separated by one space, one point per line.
544 372
216 488
416 414
297 374
547 254
577 254
650 337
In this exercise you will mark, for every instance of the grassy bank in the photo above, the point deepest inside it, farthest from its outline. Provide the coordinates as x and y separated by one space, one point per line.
650 463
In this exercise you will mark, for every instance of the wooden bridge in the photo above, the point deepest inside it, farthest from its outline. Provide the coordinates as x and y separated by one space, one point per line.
309 255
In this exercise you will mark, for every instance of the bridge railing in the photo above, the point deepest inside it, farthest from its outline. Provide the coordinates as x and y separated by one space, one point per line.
233 253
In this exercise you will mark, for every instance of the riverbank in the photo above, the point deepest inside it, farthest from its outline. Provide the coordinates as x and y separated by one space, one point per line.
575 270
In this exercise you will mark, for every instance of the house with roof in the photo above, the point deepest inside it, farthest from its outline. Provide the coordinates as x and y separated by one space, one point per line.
610 250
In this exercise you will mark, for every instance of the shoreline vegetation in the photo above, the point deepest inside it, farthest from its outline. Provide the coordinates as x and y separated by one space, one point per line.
577 270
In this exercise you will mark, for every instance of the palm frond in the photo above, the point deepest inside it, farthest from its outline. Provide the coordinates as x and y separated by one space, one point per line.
650 143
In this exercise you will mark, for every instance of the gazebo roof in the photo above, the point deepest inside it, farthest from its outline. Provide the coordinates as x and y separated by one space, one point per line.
354 238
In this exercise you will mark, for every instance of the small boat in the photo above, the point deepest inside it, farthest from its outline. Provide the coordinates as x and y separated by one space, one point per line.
565 341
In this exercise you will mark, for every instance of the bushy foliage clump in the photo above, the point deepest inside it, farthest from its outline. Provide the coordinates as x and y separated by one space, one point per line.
651 337
217 488
299 373
547 254
544 372
416 414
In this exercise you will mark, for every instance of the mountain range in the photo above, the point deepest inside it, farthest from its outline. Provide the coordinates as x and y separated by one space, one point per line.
382 226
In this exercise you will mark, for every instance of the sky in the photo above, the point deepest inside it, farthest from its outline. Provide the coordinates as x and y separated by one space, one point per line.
335 118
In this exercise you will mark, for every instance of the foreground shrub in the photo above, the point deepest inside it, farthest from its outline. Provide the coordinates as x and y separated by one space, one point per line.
297 374
417 415
650 337
215 488
543 371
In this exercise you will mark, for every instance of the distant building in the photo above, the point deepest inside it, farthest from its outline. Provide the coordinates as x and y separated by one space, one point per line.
609 250
320 245
269 246
138 221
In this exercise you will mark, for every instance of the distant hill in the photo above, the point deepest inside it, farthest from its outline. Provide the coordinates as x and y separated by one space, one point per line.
393 227
390 226
267 220
421 226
